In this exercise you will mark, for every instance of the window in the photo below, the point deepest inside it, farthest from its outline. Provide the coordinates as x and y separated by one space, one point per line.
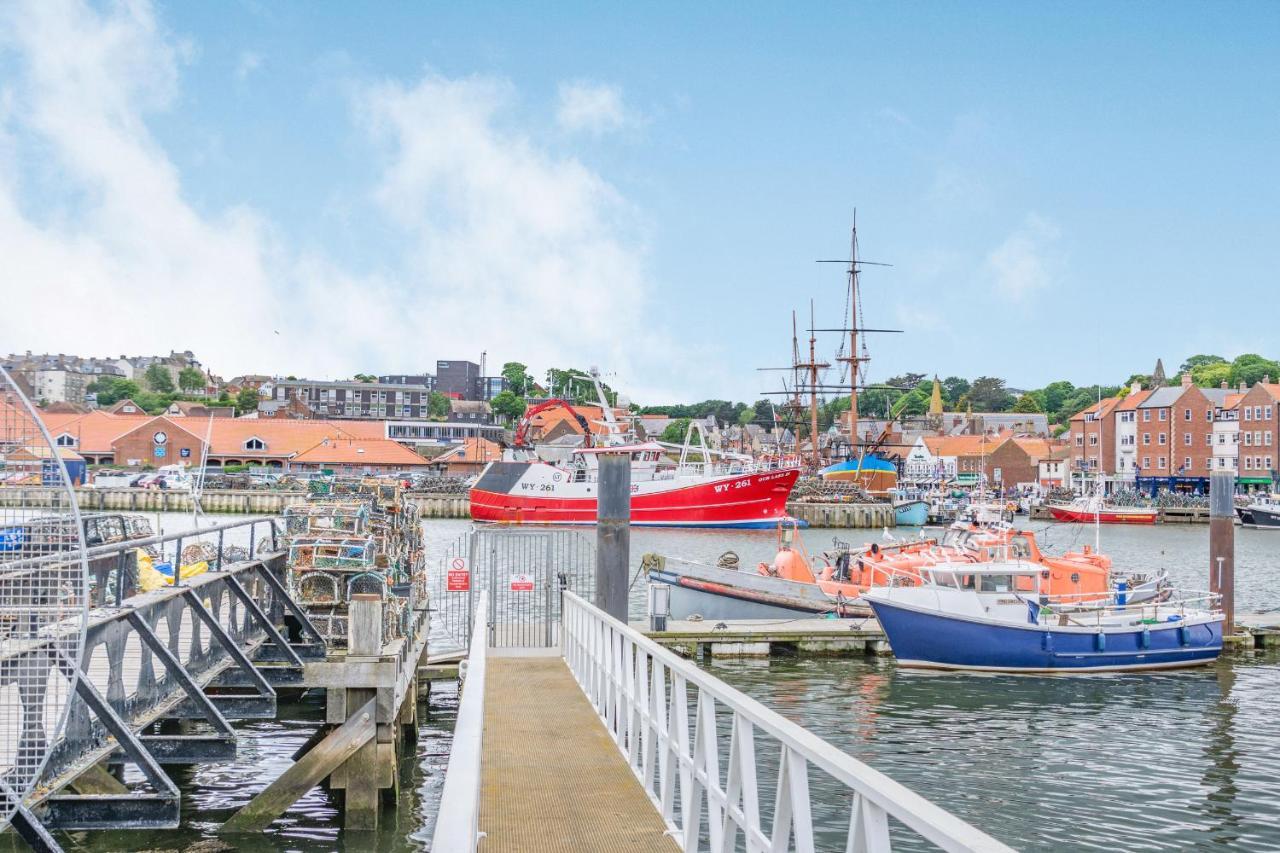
1164 414
1186 414
1247 412
1267 438
255 444
1268 463
1160 439
1186 463
1146 438
1266 413
1222 438
1186 439
1093 441
1248 439
1146 415
1208 414
1208 439
1079 441
66 440
1163 463
1248 463
1146 462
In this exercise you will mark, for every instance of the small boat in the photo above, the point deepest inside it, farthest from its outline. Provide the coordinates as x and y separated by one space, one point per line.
992 616
1091 510
911 512
1262 514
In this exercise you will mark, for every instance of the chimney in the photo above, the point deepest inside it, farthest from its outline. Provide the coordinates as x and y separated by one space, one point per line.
1224 385
1266 379
1135 387
1242 387
1186 379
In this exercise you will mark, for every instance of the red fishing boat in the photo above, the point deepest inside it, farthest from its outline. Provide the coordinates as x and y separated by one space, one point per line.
1090 511
696 487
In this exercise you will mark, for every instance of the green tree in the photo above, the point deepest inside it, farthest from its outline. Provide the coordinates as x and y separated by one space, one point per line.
1195 361
113 389
1212 374
437 405
224 397
158 379
988 394
1027 404
914 402
246 401
954 388
518 379
365 377
507 405
1250 368
674 433
190 379
1053 394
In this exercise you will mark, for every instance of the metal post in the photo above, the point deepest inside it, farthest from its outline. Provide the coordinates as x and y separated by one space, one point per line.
613 533
1222 544
177 563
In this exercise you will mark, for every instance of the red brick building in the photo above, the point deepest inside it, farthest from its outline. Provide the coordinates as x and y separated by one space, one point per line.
1259 446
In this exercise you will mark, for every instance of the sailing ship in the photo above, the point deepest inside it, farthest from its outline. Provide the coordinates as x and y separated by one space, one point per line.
702 487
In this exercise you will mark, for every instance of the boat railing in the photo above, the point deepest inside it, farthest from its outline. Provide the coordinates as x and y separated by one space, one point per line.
1089 605
695 744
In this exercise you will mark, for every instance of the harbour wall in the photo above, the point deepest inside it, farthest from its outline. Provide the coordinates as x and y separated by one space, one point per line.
263 502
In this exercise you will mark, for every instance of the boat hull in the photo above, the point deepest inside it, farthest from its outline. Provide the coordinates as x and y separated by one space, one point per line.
911 513
1262 518
715 593
920 638
539 493
1083 516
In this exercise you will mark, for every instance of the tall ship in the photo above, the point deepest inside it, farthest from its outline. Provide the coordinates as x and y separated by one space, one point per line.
671 485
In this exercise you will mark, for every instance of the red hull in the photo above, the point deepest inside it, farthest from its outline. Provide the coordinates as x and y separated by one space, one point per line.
1082 516
746 500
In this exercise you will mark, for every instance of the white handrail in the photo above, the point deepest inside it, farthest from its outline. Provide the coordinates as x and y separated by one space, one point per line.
458 819
642 691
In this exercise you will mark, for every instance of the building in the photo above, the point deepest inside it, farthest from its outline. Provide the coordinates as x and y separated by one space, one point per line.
470 411
424 434
468 458
1124 428
1055 468
356 456
343 399
459 379
1259 429
424 379
1175 427
1093 441
1226 433
494 385
188 409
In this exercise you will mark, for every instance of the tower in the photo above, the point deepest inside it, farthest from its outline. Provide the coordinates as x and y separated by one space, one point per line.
1157 375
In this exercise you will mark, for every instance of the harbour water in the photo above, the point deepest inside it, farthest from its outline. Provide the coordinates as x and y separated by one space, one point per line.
1169 761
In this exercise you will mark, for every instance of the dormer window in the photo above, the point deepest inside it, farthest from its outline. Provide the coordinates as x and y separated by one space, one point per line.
255 443
65 440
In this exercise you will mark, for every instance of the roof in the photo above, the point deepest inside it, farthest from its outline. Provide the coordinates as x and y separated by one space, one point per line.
1162 398
95 431
42 451
1133 399
472 450
962 445
360 451
1102 408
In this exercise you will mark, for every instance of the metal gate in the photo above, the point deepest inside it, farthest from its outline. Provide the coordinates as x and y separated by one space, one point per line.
521 573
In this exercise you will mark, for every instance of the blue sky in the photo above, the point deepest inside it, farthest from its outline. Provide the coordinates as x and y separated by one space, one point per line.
1065 190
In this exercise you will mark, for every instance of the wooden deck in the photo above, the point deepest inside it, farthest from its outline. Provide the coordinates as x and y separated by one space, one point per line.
552 778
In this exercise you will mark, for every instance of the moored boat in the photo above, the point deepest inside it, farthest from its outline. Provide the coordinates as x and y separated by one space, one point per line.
1262 514
993 617
1090 511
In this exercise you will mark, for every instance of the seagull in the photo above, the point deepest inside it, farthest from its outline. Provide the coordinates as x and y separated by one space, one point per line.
889 536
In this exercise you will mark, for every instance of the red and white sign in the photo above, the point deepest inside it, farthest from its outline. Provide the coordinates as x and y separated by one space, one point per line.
522 583
459 576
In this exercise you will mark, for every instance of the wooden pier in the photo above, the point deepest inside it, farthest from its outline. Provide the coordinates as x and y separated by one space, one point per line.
767 637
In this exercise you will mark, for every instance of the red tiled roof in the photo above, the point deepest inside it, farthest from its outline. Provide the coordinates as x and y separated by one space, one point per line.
360 451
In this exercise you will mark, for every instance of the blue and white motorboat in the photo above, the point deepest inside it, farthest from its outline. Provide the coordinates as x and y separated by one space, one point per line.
991 616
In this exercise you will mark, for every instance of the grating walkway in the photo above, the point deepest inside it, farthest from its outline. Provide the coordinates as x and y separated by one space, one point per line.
552 778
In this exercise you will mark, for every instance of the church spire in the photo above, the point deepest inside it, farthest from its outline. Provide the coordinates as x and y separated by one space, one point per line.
1157 376
935 402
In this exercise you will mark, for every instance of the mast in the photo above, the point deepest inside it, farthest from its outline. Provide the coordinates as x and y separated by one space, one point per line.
813 392
853 337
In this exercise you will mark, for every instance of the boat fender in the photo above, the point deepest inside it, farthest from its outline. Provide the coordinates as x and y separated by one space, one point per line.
1144 641
1100 642
1046 642
1183 635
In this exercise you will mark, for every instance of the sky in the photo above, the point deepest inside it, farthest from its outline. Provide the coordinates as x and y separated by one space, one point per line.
1065 191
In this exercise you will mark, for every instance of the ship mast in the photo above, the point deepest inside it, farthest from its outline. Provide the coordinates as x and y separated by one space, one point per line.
853 337
813 366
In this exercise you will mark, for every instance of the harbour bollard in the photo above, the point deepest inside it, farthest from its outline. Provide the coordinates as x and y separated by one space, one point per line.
613 533
1222 544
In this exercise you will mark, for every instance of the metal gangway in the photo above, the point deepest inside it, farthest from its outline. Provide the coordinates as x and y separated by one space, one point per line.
607 741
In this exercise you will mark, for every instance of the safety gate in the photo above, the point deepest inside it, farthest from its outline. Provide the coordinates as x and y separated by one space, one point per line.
521 574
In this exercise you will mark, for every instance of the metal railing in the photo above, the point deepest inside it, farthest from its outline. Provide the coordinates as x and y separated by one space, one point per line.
458 823
643 694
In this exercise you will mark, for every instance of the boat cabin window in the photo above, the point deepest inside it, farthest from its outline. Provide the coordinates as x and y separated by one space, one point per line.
995 583
1020 547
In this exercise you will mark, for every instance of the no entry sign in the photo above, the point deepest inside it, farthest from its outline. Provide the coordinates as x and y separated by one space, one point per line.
522 583
459 575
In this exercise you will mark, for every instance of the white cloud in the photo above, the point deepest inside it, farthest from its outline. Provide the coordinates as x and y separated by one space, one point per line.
1027 260
502 246
249 62
595 108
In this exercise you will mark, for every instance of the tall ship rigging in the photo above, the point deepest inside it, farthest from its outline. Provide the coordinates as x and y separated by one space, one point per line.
700 487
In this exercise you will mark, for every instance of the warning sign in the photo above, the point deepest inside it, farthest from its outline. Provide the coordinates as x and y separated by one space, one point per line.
522 583
458 578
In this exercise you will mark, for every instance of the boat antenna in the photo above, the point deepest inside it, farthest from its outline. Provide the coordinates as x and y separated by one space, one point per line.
1097 486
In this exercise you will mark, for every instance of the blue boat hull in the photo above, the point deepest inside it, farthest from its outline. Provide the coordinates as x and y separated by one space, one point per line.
925 639
911 513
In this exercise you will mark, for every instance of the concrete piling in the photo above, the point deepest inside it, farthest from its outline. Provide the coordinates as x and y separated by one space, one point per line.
613 533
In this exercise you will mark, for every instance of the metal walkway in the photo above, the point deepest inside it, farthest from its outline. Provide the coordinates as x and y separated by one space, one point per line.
548 761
